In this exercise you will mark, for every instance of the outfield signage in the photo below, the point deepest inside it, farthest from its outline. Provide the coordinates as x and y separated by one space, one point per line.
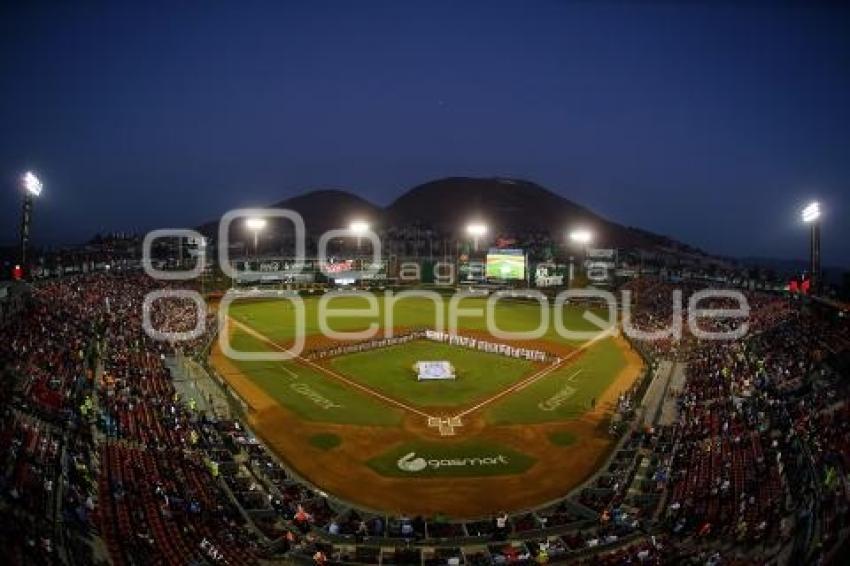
600 253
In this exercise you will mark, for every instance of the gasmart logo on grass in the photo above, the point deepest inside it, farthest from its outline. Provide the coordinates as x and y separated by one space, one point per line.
413 463
474 458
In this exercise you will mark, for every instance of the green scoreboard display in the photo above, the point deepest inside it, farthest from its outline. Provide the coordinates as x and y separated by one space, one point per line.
505 264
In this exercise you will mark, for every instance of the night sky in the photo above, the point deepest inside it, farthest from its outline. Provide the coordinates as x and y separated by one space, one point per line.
712 123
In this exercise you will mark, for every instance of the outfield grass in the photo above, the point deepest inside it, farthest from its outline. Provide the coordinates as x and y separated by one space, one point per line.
390 370
275 318
565 393
309 393
474 458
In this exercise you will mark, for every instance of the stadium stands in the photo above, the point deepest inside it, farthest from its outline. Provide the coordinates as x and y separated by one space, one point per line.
102 457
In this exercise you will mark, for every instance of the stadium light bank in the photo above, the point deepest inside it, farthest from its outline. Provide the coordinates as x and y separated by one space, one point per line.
811 215
476 230
32 189
256 225
583 237
359 227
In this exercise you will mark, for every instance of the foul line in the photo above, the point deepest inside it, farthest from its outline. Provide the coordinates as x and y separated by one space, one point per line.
330 372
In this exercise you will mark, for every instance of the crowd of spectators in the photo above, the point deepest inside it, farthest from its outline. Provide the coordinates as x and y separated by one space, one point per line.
757 454
101 457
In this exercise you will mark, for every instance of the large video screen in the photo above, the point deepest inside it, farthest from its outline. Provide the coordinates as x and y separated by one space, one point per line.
505 264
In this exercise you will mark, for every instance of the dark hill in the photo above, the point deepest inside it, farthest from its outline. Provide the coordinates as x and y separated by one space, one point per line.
322 210
507 206
325 210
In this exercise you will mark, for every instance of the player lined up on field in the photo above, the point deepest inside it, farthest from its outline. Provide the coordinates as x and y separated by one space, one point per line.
445 337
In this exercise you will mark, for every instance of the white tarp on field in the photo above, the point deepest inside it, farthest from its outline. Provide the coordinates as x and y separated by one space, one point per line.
435 370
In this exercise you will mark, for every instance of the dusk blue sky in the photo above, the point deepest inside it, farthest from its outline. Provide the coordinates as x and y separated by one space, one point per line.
709 122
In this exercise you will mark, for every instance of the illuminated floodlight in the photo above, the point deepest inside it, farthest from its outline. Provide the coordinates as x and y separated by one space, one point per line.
811 212
359 226
581 236
255 224
476 229
32 184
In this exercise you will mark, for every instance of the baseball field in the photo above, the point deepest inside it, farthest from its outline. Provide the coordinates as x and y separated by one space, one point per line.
520 423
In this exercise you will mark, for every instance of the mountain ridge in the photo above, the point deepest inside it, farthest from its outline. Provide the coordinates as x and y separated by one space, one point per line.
506 205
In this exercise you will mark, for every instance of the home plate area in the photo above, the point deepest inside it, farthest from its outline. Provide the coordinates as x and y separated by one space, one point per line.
446 425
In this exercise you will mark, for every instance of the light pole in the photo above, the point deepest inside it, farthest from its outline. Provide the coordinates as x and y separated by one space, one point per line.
359 227
476 230
256 226
583 238
811 215
32 189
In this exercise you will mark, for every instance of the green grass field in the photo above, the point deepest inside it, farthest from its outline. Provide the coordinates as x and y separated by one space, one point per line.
390 370
564 394
275 318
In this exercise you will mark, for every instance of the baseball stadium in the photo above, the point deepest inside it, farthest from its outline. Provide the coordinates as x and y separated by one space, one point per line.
424 283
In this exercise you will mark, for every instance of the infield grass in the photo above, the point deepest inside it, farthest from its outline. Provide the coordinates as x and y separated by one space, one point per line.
390 370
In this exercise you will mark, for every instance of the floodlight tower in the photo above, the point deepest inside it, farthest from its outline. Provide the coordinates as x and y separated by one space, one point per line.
256 225
359 227
582 237
32 189
476 230
811 215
